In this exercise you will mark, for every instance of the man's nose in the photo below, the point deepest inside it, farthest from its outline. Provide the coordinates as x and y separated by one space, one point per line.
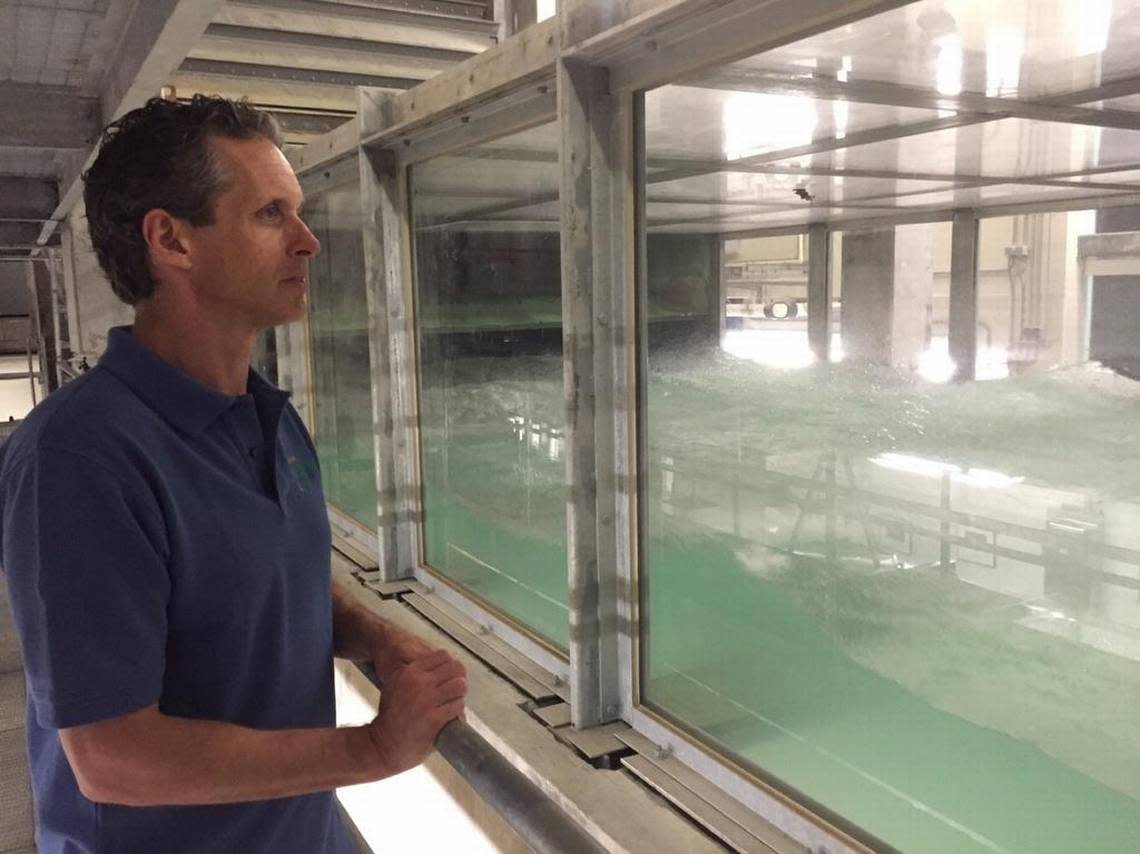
307 243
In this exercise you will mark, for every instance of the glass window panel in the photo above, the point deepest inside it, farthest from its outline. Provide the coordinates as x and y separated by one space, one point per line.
1029 293
264 356
910 600
999 48
489 331
766 309
342 383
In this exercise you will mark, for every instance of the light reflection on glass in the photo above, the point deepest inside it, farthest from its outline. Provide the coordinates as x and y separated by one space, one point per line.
949 68
1091 22
1004 49
785 349
984 478
756 121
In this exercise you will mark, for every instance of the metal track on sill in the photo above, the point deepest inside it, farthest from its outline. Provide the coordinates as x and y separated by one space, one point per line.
599 744
364 561
532 680
730 821
554 716
395 589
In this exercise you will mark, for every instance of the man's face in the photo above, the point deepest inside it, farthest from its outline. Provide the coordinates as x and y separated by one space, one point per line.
252 263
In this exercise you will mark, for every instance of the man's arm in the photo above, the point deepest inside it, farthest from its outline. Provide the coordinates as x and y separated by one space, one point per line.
147 758
361 635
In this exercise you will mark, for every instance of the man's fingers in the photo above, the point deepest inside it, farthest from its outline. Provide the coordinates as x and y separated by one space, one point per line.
447 672
432 660
449 712
452 690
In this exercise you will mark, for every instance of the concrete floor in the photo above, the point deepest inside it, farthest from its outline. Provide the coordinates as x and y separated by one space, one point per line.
16 827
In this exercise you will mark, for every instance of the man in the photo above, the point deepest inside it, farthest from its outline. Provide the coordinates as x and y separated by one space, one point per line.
164 534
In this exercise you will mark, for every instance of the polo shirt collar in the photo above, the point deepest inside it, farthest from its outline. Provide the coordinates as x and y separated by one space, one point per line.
188 404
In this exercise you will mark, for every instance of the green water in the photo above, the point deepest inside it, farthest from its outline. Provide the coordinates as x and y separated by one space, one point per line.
912 704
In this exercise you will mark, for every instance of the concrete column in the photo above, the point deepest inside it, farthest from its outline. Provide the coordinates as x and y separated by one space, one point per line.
868 295
913 292
819 292
887 283
39 285
964 295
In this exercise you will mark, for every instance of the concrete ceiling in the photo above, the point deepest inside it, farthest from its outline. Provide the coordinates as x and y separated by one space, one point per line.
67 67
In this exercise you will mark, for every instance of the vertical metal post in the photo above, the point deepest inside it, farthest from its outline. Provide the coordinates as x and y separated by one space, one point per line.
964 295
1084 338
74 332
636 646
593 318
819 292
43 331
387 266
717 321
58 304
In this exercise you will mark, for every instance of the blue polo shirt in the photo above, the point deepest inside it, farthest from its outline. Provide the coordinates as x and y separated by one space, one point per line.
165 543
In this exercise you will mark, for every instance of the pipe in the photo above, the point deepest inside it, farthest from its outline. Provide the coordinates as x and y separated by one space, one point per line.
530 812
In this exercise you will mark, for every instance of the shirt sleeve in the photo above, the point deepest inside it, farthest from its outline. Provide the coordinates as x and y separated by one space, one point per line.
84 554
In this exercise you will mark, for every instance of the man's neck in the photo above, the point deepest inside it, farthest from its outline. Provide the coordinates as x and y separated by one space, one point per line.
215 355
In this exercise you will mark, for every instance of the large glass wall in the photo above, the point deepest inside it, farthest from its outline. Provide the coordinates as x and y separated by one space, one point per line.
765 282
338 332
902 593
489 331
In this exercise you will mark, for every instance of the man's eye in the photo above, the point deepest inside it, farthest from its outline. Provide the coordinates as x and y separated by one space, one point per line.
271 211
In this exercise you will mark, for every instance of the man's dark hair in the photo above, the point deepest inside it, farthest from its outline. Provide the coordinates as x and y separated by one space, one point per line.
159 156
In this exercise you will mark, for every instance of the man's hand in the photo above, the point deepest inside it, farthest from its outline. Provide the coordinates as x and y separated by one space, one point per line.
416 701
397 649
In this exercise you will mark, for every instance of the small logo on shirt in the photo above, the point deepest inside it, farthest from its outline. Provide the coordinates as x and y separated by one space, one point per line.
304 471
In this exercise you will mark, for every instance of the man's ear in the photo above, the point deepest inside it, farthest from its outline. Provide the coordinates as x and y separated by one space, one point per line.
165 237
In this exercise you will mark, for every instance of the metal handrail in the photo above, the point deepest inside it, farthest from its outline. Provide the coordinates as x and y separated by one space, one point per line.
531 813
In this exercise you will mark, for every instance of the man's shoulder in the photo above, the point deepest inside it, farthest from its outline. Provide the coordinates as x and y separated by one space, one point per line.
83 416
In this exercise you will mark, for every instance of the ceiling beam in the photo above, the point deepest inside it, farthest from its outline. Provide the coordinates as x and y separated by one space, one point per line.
329 53
19 233
739 79
106 44
156 39
46 117
27 198
469 35
521 59
821 146
279 86
1122 88
290 73
469 10
37 162
304 126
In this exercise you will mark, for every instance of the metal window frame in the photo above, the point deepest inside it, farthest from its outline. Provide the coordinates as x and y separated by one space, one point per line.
603 57
338 171
385 164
